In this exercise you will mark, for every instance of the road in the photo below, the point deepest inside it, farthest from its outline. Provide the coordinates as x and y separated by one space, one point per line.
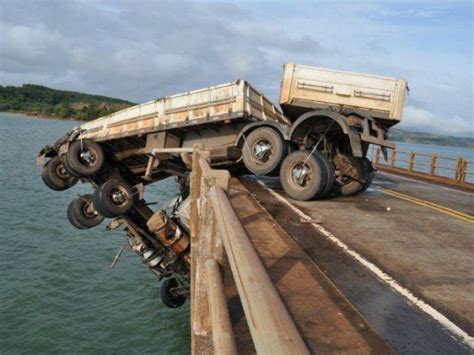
401 252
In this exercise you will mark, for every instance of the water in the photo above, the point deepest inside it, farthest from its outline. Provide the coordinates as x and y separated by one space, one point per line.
57 292
446 162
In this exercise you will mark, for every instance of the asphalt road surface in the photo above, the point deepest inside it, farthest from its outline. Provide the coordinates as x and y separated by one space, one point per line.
401 252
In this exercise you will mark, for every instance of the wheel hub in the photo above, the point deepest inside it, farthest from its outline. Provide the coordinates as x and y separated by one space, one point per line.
61 172
300 174
87 157
263 150
118 197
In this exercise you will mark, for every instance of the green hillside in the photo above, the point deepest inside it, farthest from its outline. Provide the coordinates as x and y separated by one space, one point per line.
40 100
399 135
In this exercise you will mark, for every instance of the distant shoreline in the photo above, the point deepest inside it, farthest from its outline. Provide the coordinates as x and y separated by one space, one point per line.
399 135
40 115
440 144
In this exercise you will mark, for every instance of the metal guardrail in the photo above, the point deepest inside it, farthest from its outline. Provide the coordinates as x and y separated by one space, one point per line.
219 239
440 169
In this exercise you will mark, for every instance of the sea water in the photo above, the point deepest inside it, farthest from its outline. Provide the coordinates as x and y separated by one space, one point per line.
57 290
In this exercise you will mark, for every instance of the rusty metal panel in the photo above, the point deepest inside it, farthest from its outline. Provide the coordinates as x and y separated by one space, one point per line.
312 87
193 107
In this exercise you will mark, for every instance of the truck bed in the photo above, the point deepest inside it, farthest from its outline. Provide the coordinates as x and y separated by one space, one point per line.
216 103
305 88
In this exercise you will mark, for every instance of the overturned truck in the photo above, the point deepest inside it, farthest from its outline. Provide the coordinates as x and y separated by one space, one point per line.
318 146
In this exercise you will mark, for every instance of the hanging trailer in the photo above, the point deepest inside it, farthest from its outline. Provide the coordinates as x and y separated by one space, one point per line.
120 153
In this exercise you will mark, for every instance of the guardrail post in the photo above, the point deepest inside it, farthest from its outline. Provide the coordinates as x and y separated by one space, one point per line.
195 192
393 158
377 156
222 333
411 161
459 168
462 177
434 158
206 244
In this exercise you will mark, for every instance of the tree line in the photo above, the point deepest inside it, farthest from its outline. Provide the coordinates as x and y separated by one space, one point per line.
40 100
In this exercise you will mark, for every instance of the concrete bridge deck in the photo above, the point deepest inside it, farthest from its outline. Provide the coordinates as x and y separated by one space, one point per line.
401 253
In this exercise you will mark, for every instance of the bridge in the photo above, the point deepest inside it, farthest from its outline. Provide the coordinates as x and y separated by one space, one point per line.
388 270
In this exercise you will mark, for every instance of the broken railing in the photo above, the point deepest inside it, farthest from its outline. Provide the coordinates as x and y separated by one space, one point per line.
218 240
430 167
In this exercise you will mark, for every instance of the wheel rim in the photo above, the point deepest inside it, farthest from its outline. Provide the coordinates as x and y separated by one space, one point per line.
61 172
119 196
262 151
300 174
87 211
87 157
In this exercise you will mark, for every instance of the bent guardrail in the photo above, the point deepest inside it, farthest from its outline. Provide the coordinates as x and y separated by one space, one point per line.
218 238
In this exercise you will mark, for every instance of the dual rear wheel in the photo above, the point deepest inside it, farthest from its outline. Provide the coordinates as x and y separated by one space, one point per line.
263 151
82 214
353 175
84 158
111 199
305 176
56 176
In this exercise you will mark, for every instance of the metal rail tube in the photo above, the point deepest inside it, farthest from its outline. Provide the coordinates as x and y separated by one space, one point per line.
223 340
273 331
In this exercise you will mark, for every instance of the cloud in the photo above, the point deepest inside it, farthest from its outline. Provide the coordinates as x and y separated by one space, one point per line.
139 50
419 119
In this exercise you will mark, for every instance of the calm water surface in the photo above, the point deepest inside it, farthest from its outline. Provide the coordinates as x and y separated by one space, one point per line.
58 293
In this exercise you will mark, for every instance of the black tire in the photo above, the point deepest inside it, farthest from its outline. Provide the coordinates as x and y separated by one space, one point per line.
350 175
305 186
68 168
330 175
263 151
44 177
85 157
80 215
113 198
169 298
72 217
370 173
56 177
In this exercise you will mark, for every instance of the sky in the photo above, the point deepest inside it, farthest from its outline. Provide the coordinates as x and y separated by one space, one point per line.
141 49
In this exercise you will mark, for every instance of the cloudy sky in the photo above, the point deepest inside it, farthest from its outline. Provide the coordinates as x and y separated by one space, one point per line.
142 49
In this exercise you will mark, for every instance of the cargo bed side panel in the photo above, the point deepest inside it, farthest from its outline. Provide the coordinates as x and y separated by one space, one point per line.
215 103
